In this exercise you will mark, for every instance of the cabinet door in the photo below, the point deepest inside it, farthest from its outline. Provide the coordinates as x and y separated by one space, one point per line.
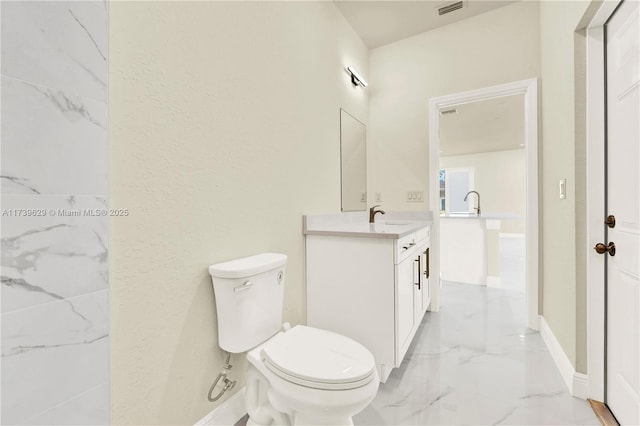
405 315
422 287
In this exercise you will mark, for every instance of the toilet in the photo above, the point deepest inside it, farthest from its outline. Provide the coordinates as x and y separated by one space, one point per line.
295 375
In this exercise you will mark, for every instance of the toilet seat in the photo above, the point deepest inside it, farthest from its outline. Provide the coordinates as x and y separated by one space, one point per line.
318 359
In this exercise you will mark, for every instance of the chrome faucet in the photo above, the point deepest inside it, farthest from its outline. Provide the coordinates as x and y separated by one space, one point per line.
373 212
477 209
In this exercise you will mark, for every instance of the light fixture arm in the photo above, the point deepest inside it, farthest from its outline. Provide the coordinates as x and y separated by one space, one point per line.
356 78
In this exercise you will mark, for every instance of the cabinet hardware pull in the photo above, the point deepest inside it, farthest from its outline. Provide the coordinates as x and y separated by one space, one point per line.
419 283
427 265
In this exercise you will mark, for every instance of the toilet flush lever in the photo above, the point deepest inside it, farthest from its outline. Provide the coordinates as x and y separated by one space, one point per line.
246 286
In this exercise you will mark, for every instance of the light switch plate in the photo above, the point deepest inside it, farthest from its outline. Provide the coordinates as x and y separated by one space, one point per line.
415 196
562 187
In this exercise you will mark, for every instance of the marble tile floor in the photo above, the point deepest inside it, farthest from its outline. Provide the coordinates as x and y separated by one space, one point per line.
476 363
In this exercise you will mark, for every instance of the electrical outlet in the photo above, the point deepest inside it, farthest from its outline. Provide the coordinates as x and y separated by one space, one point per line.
363 197
378 197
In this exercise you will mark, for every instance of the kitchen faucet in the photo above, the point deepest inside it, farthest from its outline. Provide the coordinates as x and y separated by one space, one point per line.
477 209
373 212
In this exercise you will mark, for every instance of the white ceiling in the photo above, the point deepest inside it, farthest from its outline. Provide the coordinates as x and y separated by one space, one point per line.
485 126
383 22
492 125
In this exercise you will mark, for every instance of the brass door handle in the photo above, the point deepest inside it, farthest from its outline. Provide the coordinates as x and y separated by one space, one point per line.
611 221
602 249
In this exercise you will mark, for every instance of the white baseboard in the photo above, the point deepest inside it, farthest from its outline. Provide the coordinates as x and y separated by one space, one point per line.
557 353
494 282
577 383
580 385
227 413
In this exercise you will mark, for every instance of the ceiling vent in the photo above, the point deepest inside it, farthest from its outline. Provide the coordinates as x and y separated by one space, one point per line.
450 8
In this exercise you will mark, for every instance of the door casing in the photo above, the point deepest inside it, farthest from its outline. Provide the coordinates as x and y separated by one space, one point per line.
595 172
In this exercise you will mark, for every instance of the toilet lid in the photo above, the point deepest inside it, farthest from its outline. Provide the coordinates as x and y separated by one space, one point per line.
319 359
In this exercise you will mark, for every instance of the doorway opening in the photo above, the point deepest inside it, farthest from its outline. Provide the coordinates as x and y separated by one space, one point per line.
527 92
483 194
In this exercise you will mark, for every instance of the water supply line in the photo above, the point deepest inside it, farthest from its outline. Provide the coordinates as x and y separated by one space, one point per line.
228 384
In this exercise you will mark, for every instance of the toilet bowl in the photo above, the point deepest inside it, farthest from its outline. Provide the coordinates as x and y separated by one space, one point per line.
295 375
314 376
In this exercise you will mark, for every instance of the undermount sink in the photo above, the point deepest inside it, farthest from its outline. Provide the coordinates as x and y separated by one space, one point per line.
395 222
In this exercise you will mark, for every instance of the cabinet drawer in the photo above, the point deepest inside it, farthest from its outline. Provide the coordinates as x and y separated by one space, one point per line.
405 247
423 234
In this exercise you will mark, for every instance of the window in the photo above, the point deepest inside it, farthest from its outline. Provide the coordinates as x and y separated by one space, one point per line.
455 183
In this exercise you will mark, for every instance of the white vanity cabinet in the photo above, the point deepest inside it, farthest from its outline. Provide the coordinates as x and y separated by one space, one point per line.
374 289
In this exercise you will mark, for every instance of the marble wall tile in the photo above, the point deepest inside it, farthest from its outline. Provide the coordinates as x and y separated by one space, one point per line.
55 256
52 353
53 142
61 44
54 285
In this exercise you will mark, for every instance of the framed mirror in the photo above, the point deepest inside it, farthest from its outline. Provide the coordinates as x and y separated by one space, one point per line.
353 163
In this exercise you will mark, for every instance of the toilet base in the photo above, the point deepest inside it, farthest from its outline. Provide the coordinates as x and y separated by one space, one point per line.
267 405
261 411
300 422
343 421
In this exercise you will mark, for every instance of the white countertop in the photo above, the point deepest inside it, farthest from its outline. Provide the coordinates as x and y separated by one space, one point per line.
372 230
492 216
392 225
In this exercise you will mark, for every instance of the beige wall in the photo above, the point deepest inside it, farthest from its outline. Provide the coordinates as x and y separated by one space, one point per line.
499 177
224 130
496 47
563 308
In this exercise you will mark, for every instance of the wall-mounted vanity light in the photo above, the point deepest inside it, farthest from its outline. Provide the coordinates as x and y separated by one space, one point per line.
356 78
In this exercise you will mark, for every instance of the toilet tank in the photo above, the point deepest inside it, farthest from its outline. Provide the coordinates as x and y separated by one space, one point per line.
249 294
